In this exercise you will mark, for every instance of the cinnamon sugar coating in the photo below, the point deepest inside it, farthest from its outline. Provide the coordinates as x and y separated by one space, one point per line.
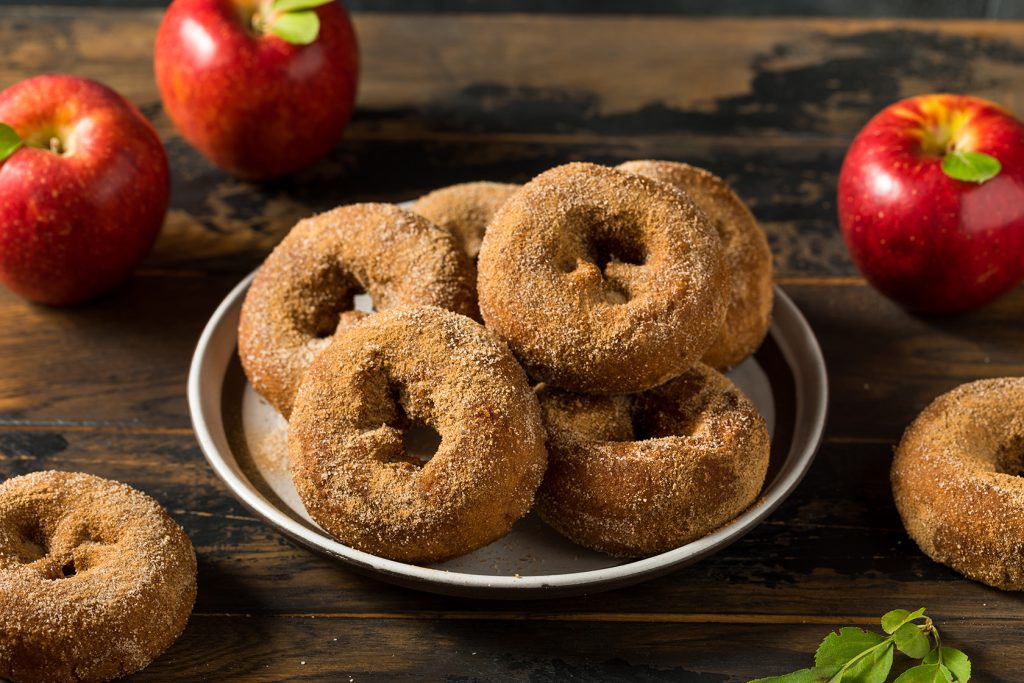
302 294
645 473
602 281
747 256
95 579
957 485
423 366
464 210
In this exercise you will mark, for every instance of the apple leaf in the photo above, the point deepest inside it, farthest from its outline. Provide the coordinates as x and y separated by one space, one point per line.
10 141
972 167
911 641
891 621
925 673
954 660
295 5
298 28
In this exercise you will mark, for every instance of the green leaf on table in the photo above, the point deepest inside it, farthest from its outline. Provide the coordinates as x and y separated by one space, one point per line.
298 28
972 167
872 668
801 676
891 621
954 660
10 141
839 648
925 673
911 641
295 5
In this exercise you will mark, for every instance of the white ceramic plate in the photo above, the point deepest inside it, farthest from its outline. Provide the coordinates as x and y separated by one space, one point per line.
244 439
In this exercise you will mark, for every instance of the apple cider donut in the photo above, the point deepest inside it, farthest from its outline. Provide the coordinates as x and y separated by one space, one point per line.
747 257
602 281
464 210
956 478
645 473
416 366
302 294
95 579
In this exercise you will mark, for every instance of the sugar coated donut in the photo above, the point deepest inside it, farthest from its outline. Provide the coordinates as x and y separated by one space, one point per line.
464 210
416 366
95 579
747 257
957 484
641 474
303 292
602 281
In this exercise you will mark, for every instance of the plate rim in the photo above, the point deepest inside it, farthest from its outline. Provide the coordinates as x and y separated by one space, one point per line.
810 420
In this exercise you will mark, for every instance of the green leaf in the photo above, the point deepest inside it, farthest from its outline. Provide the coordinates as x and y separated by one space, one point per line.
801 676
924 673
972 167
839 648
872 668
293 5
298 28
10 142
911 641
955 660
891 621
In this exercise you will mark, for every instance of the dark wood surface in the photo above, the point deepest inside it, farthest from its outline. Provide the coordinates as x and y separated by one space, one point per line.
769 104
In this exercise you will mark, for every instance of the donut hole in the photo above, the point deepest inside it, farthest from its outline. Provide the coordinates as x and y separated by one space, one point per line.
31 544
329 298
611 250
68 569
1010 458
343 313
613 247
421 441
656 417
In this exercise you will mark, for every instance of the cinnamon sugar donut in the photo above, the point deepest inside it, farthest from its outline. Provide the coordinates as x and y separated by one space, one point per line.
302 294
416 366
464 210
642 474
95 579
602 281
747 257
956 478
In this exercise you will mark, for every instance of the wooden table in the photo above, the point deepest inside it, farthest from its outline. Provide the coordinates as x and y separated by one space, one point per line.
769 104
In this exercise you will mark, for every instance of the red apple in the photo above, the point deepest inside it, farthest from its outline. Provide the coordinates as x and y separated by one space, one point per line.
251 101
923 237
84 185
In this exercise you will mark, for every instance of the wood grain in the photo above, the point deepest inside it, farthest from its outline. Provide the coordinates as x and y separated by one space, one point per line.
123 361
769 103
839 529
539 652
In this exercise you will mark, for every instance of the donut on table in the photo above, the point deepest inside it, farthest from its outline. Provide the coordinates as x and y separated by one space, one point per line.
302 294
637 475
957 485
747 257
416 366
95 579
602 281
464 210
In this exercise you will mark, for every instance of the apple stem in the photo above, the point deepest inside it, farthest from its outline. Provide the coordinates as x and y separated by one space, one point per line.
55 145
261 18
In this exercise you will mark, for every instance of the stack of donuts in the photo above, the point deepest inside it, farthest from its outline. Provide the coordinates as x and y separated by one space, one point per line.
565 338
